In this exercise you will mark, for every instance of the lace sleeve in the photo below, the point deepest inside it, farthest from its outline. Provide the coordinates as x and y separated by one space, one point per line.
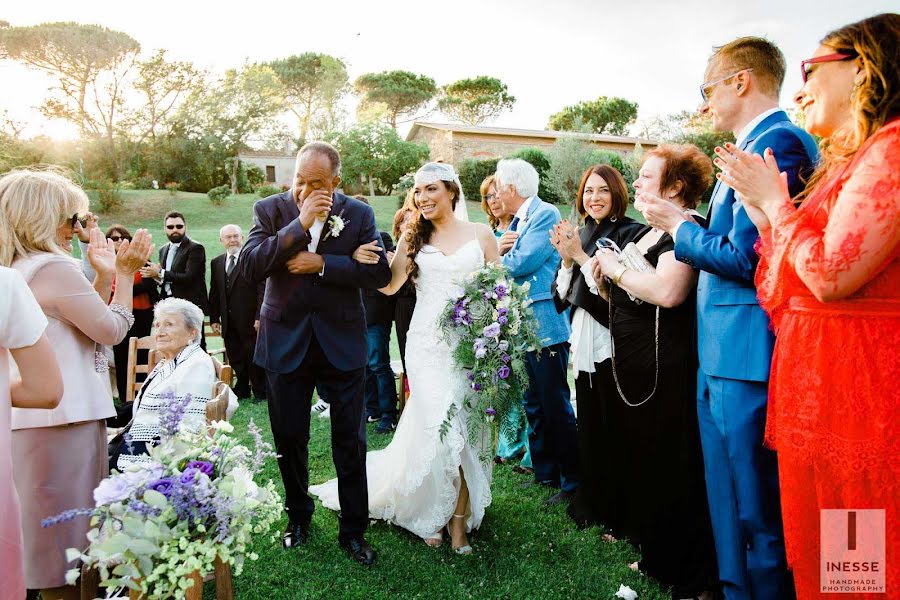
838 244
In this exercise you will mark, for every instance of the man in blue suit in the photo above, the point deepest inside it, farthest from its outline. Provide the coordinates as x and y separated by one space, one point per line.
530 257
312 331
743 82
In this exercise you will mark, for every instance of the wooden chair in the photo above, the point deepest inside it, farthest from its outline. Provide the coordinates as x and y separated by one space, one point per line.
134 368
400 376
209 334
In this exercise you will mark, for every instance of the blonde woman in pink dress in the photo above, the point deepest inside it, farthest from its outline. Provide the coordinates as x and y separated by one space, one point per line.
59 455
39 385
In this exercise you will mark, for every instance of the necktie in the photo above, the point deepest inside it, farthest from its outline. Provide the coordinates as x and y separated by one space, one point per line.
515 224
232 259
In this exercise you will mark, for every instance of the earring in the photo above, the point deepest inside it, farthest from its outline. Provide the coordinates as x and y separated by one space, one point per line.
613 219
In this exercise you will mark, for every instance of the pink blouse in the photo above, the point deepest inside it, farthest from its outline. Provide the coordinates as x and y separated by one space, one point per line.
79 322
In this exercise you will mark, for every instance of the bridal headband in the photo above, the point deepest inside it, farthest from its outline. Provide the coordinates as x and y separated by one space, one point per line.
433 171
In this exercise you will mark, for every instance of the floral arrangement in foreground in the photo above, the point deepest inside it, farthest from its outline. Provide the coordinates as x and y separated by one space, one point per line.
489 325
194 500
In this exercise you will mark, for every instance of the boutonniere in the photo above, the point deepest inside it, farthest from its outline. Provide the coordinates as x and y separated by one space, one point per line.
336 224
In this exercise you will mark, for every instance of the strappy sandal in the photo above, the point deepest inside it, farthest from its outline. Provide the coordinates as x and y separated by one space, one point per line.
462 550
435 541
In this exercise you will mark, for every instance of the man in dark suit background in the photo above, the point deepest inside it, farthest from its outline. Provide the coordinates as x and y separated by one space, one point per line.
312 332
181 271
234 313
381 392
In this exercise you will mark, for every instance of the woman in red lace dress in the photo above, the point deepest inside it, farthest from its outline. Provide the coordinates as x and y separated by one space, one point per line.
830 280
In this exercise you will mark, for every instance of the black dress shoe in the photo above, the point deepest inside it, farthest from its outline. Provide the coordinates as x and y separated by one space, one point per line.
559 498
295 534
535 482
359 550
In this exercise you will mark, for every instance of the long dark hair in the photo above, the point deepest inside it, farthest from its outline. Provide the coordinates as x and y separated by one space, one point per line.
419 230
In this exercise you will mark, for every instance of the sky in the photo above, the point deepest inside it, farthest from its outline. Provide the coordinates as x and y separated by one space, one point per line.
550 53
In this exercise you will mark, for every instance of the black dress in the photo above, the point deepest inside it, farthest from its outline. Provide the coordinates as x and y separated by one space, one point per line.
656 495
590 388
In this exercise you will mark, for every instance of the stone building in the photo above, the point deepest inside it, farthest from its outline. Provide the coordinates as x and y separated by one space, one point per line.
454 143
277 165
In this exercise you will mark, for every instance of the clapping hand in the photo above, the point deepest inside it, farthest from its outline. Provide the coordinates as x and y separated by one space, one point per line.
606 262
84 233
133 255
368 254
151 272
564 237
101 253
761 186
660 214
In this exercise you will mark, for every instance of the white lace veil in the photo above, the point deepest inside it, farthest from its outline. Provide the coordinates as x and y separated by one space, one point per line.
433 171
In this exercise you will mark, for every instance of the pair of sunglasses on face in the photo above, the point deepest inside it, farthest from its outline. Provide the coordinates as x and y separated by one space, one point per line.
171 227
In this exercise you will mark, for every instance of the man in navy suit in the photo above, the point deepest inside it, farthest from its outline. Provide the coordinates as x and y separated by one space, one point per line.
742 84
312 331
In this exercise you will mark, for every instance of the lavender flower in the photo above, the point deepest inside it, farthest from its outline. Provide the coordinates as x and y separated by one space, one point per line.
263 448
505 358
502 312
503 372
502 320
143 509
492 330
471 376
171 412
501 291
66 516
490 412
476 387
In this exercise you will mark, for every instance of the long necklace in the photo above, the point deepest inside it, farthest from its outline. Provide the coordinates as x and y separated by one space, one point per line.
612 339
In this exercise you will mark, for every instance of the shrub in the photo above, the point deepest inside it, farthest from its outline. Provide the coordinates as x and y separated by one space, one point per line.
109 195
218 194
142 183
403 186
255 175
538 159
172 186
265 191
472 172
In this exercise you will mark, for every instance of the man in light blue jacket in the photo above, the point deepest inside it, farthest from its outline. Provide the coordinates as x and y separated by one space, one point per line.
528 255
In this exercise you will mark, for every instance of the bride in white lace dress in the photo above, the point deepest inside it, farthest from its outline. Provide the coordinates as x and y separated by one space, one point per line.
420 481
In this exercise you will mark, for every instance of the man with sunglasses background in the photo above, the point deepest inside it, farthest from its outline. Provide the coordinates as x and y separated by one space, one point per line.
743 81
181 271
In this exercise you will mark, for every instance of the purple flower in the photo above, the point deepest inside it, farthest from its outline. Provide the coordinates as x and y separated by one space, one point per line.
163 486
189 476
492 330
503 372
490 412
505 358
171 412
66 516
203 466
502 312
471 376
476 387
503 320
500 290
480 352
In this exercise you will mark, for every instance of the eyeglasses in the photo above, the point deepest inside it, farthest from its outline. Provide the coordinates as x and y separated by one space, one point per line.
806 65
489 197
171 227
706 88
116 238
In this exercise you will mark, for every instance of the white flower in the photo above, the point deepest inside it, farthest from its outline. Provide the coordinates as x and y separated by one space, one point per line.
337 225
626 593
72 576
223 426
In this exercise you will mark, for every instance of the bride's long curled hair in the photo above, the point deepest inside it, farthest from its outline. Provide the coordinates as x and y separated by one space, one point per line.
419 230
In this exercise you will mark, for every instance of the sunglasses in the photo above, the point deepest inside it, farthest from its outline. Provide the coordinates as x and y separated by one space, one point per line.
171 227
76 219
118 238
806 65
707 87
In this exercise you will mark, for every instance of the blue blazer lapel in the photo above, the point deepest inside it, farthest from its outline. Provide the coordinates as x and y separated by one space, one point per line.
763 126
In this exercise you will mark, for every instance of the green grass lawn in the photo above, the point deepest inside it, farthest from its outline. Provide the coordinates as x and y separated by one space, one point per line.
523 549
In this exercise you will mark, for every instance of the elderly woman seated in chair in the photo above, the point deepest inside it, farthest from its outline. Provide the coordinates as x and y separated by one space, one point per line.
185 369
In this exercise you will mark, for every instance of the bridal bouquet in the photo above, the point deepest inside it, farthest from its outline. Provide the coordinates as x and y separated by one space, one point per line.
193 501
489 326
